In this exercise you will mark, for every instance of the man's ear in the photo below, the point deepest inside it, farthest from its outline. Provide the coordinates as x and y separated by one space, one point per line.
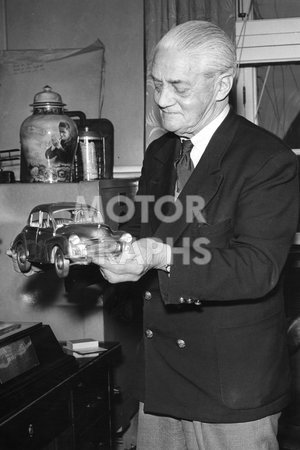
225 82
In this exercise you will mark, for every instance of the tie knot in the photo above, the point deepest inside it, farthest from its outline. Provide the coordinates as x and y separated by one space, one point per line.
184 165
186 146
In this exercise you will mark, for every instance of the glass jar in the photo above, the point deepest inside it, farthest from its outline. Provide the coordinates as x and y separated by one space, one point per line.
89 145
48 141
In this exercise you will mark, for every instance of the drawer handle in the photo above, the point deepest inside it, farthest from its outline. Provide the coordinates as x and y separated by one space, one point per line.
116 390
30 430
94 403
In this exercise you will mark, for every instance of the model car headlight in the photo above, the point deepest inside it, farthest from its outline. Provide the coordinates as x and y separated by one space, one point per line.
77 248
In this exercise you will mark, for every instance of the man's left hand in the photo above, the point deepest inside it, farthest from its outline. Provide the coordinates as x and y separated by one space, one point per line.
135 260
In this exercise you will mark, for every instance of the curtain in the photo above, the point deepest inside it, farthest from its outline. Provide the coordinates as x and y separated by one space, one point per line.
160 16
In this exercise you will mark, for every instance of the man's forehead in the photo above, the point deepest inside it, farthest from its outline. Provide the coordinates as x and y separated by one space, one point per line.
175 65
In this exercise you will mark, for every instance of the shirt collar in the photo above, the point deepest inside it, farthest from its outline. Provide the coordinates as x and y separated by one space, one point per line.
202 138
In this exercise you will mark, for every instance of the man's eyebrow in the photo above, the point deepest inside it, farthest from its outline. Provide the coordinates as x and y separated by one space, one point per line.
169 81
178 82
154 78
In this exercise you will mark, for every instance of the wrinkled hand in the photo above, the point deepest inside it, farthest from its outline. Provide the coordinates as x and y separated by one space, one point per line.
135 260
55 142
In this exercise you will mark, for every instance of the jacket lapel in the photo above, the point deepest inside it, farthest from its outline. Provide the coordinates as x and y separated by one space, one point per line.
204 182
163 180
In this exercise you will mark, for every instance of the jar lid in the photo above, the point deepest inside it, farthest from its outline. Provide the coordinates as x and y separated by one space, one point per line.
93 135
47 97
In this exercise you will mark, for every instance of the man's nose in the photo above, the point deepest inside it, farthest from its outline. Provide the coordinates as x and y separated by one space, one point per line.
164 97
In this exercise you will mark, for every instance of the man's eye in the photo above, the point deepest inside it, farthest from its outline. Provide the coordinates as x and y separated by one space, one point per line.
157 87
181 90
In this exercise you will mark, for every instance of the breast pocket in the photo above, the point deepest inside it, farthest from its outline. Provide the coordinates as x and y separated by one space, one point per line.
218 234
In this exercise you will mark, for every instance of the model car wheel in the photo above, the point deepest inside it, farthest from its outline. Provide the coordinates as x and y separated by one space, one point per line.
23 264
62 265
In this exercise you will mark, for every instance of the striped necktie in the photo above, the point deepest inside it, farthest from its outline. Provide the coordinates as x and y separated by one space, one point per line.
184 165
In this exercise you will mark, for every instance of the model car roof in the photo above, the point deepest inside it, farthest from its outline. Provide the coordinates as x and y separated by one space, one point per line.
60 205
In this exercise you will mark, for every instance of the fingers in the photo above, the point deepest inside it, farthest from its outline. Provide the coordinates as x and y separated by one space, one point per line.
114 278
126 239
132 263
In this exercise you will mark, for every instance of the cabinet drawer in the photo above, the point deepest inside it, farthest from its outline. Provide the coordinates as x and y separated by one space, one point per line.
38 425
97 435
90 398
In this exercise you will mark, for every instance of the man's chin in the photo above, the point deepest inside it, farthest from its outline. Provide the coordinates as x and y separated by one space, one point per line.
170 125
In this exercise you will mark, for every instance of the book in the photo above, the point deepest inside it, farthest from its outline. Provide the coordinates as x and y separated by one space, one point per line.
83 353
80 344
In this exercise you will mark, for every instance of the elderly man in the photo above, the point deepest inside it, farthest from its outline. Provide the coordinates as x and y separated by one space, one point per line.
215 223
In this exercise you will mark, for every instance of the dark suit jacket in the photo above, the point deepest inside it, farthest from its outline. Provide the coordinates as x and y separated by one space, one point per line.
216 349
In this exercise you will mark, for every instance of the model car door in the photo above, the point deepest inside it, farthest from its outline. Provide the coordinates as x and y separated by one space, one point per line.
31 233
45 232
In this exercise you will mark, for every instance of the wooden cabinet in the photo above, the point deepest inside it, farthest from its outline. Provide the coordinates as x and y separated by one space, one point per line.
36 424
76 413
91 407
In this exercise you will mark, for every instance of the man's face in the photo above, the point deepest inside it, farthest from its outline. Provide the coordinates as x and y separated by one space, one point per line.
64 133
186 98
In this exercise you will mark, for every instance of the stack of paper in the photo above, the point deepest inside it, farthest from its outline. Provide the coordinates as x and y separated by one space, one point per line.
83 347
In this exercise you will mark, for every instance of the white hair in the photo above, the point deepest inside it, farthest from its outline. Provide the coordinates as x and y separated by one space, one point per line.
204 41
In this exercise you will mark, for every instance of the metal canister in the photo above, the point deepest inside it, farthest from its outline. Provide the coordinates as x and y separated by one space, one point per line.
89 142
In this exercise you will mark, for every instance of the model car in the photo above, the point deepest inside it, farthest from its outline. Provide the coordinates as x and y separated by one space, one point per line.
60 234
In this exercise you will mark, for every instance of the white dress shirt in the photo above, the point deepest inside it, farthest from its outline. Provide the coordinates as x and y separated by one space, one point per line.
201 139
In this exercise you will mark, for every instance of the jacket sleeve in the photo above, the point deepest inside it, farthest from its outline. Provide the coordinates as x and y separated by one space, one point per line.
246 257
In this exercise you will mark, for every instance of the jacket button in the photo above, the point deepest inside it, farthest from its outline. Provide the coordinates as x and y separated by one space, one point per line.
197 302
149 334
181 300
180 343
147 295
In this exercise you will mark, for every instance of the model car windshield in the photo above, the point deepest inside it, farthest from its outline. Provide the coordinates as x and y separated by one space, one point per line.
79 215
